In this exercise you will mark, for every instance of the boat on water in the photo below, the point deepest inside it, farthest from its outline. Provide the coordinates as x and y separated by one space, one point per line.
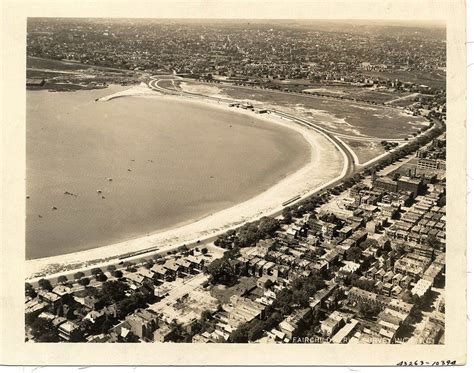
27 197
99 191
110 179
54 208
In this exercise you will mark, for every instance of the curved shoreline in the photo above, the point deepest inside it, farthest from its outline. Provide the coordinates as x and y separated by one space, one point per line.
313 175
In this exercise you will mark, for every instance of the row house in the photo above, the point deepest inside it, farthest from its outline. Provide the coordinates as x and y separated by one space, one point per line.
162 273
332 323
146 273
322 298
242 310
63 292
134 279
357 295
291 325
390 322
412 265
50 298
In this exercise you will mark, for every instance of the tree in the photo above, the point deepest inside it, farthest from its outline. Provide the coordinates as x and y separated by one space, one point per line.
96 271
221 272
118 274
149 263
84 281
132 303
407 297
113 291
241 334
29 290
433 241
268 284
256 330
79 275
267 226
92 291
364 284
367 310
354 253
111 268
44 331
206 315
101 277
45 284
62 279
287 215
106 326
204 250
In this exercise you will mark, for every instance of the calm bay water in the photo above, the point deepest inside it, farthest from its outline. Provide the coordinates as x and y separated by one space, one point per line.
169 162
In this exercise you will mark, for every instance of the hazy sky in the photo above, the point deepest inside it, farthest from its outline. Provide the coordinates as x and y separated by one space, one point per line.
244 9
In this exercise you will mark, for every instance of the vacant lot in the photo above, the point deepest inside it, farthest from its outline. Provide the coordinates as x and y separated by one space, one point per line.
223 293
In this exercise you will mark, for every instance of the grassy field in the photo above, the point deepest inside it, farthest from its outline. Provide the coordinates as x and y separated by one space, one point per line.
365 150
345 117
378 96
435 79
167 84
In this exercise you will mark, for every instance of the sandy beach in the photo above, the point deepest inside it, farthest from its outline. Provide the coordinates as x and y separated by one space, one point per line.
326 164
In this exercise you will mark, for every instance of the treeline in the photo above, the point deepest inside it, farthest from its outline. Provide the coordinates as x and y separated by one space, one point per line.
249 234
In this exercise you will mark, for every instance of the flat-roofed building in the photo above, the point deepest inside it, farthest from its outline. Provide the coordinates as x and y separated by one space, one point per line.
346 332
332 324
69 331
386 184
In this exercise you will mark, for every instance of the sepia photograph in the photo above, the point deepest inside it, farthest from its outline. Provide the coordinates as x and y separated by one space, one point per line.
254 180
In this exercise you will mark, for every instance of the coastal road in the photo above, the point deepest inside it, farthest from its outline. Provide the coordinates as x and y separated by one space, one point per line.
142 255
349 160
350 168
